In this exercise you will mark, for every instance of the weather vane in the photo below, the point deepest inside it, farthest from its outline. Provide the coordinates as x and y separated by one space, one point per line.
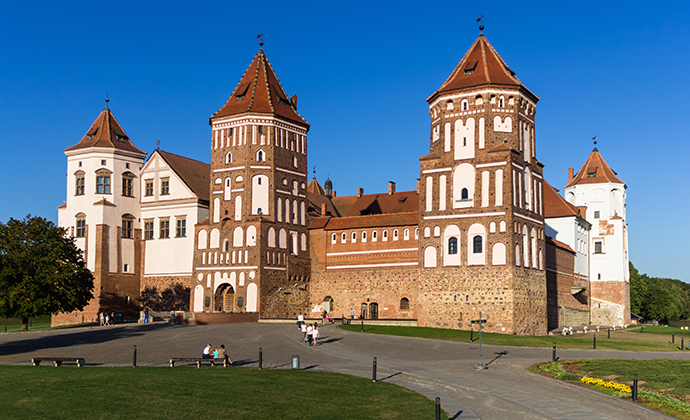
158 144
481 27
595 140
314 171
260 37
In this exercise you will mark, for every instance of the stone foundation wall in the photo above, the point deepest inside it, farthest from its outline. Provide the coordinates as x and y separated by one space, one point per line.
609 300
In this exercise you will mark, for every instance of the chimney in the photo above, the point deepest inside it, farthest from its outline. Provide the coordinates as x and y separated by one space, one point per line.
570 174
323 209
419 183
391 187
360 192
293 99
334 194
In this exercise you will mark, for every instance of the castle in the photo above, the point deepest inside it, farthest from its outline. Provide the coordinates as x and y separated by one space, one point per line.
482 235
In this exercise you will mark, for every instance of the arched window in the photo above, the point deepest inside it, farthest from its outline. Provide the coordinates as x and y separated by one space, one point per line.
395 234
81 225
226 245
416 233
501 102
406 234
334 238
260 156
354 237
343 238
364 236
228 158
465 105
385 235
477 242
452 246
464 194
374 236
404 303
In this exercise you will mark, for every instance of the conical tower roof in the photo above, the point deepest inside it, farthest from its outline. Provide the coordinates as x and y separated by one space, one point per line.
481 65
595 171
106 132
260 91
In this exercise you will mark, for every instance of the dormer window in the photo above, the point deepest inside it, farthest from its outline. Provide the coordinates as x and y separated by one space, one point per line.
242 92
90 135
471 68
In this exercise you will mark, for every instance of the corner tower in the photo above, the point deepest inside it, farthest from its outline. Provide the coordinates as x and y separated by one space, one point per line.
256 239
597 187
481 223
102 212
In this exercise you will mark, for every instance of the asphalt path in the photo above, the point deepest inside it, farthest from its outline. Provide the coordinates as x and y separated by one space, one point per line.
434 368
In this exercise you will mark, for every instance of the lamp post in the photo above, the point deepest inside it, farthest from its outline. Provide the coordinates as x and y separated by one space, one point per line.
480 321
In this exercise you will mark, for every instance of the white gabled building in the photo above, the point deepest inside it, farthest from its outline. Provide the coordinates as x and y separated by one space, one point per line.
175 197
597 188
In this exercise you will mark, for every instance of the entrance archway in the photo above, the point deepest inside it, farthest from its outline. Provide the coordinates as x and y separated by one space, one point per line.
224 299
363 311
374 310
328 304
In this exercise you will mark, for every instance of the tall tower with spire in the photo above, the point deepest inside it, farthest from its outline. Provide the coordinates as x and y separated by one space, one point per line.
256 240
597 187
102 213
481 213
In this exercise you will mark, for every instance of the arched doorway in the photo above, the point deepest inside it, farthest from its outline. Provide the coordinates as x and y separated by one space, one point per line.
328 304
374 310
224 298
363 311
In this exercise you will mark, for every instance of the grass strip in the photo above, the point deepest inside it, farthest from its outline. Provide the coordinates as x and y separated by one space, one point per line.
28 392
579 341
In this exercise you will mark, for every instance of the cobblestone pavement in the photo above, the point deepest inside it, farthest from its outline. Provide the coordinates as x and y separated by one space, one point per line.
434 368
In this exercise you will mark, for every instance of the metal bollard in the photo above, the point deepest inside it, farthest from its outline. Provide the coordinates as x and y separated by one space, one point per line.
373 374
471 336
673 338
134 356
261 358
609 333
634 389
642 329
553 358
295 362
682 343
594 341
438 408
362 328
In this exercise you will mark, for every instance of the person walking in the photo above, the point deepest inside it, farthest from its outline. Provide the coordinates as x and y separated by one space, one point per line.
315 334
101 317
310 333
300 320
303 329
146 315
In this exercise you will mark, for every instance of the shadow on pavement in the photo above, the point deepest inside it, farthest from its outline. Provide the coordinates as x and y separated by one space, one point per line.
70 339
390 376
498 356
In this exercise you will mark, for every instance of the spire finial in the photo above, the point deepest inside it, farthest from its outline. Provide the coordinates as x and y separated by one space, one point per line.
260 37
158 145
314 171
594 139
106 101
481 27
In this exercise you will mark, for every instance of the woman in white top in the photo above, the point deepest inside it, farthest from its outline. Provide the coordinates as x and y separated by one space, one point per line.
303 329
315 333
310 332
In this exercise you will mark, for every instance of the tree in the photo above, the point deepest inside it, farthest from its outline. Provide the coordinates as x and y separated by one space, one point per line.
175 298
41 271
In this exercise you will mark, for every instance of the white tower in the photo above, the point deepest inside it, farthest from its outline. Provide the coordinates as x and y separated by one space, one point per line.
597 188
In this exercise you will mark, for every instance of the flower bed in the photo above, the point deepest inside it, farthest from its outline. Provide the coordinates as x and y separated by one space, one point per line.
606 384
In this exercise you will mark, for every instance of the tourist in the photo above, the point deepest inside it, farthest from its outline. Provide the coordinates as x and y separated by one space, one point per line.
101 318
324 317
206 354
222 354
315 333
303 329
352 315
310 332
107 319
300 320
146 315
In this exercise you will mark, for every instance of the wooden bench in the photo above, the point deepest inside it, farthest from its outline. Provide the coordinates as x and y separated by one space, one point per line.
58 360
199 361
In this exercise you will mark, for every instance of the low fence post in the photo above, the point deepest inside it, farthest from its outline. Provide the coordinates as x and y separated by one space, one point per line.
261 358
472 335
609 330
553 357
438 408
362 327
673 338
594 341
134 356
373 373
634 389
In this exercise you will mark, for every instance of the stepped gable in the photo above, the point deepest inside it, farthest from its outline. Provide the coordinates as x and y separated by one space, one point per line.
481 65
106 132
398 202
555 205
195 174
260 91
595 171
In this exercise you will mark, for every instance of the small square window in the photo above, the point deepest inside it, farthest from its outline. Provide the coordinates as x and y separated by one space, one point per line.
103 162
165 186
164 229
597 214
149 188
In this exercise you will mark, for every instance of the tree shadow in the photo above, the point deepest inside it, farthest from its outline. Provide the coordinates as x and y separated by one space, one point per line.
72 339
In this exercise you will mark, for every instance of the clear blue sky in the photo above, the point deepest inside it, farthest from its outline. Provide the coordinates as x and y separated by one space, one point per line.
362 71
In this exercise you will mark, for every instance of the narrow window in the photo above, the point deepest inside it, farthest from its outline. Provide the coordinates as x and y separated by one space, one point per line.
334 238
260 156
127 228
385 235
354 237
228 158
598 249
148 229
79 183
261 129
102 182
374 236
164 229
128 185
343 239
477 244
404 303
452 246
464 194
149 188
597 214
165 186
395 234
181 228
81 226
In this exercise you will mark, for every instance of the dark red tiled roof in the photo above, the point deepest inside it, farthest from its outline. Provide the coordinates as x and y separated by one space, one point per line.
319 222
481 65
378 220
106 132
594 171
260 91
555 205
316 200
398 202
197 175
559 244
315 187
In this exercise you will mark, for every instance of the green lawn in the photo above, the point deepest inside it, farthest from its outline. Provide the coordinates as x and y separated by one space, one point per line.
15 324
635 342
661 330
28 392
664 385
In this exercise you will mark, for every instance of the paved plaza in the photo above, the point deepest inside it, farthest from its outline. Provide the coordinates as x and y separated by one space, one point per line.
434 368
